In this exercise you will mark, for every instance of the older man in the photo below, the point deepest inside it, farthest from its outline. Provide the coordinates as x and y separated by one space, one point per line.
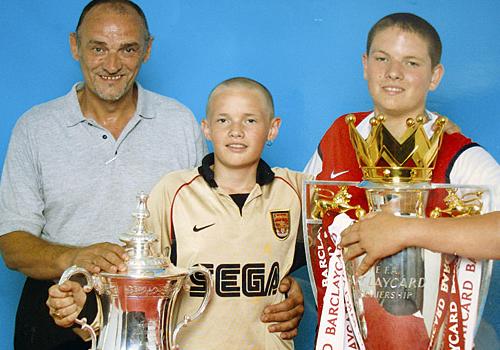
74 165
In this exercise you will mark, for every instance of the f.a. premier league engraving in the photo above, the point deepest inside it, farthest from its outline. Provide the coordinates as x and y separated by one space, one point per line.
415 299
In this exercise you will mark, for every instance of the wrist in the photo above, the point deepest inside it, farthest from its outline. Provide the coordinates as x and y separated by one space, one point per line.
410 233
64 258
419 232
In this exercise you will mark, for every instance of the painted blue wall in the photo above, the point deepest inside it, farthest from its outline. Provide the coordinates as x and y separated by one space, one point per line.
308 52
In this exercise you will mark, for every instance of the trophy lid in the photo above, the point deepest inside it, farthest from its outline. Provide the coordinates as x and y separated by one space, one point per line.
143 260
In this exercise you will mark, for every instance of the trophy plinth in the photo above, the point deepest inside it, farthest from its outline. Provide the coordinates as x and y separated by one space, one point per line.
137 306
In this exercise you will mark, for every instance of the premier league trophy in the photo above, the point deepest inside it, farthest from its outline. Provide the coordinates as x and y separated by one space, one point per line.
137 307
415 299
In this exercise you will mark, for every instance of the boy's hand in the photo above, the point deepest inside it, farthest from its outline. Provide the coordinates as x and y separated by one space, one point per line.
377 235
65 302
288 313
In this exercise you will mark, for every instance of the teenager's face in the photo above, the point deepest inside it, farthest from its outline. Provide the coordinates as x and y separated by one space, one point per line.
111 48
239 124
399 73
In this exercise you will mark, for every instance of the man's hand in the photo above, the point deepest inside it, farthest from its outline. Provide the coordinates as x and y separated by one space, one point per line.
65 302
40 259
106 257
287 314
376 234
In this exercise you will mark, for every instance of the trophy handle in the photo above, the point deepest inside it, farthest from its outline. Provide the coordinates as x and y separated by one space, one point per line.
208 295
67 274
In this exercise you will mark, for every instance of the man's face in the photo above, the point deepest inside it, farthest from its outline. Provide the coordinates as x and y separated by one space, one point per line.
399 73
239 124
111 47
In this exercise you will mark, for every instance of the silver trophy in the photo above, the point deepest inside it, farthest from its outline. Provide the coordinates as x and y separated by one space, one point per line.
415 299
404 290
138 307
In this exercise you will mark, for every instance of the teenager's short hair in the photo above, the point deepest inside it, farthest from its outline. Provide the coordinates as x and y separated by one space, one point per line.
119 6
411 23
244 83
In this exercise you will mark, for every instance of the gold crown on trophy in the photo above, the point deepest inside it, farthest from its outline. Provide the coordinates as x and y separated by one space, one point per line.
383 158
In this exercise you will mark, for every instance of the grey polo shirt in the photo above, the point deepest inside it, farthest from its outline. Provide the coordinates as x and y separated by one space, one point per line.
66 179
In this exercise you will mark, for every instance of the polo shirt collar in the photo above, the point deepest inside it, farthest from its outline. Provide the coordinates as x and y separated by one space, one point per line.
77 117
265 175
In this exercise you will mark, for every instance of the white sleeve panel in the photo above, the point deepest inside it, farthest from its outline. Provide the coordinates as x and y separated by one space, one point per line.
314 165
475 166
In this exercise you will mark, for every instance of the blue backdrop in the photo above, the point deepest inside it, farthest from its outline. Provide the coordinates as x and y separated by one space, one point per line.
307 52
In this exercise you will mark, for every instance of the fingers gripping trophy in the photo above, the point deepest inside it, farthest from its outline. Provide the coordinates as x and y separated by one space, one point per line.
138 307
415 299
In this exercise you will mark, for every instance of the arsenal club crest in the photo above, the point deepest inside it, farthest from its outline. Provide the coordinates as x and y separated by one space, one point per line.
281 223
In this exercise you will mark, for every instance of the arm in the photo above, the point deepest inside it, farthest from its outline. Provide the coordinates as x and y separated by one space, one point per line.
288 313
40 259
476 237
22 209
383 234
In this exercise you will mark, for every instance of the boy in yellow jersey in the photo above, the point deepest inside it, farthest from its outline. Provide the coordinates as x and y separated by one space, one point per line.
236 216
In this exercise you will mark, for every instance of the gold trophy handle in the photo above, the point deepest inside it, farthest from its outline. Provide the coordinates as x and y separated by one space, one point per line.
68 273
208 295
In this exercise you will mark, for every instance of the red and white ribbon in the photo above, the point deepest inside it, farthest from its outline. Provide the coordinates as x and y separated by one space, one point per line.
469 283
457 305
338 327
456 313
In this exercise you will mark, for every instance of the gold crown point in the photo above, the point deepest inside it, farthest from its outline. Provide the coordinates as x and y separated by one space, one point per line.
421 119
441 121
351 118
410 122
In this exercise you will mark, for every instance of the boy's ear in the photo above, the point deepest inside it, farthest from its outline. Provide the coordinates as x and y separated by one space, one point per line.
206 129
437 75
274 129
364 60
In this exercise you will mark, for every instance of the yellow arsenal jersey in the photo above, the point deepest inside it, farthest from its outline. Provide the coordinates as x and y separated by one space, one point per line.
247 252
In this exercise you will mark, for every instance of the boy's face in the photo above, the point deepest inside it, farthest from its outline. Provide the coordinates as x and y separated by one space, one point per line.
399 73
239 124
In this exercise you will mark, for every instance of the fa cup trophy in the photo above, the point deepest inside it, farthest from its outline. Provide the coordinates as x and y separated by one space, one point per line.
137 307
415 299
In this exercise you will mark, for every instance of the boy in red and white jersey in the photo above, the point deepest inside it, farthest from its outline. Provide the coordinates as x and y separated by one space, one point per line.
401 65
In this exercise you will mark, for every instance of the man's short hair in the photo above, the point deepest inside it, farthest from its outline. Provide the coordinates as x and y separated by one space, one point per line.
243 82
119 6
409 22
